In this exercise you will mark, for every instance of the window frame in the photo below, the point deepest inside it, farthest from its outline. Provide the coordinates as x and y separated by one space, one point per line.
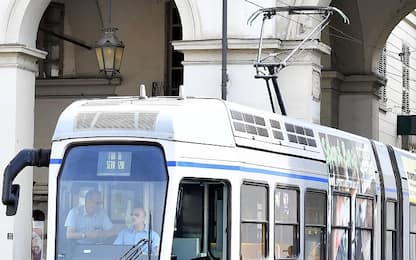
173 82
295 224
324 227
393 231
358 228
348 228
45 41
59 180
197 181
411 233
266 222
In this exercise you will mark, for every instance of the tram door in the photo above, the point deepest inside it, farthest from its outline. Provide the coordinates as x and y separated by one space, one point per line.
202 217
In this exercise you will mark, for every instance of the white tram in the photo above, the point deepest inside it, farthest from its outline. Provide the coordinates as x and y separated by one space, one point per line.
222 181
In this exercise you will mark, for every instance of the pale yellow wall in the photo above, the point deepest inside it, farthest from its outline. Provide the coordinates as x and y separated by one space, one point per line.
141 27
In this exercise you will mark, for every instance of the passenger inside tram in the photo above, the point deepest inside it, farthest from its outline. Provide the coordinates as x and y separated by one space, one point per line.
139 232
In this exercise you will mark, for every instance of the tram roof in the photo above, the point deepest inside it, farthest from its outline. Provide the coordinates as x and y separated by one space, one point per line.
196 120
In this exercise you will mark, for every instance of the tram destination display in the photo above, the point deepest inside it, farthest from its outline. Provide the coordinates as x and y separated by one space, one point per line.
114 163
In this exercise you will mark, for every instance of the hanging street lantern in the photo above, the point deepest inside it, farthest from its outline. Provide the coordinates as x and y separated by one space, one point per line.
109 50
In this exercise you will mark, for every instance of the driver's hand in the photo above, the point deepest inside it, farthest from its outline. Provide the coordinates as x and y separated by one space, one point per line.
93 234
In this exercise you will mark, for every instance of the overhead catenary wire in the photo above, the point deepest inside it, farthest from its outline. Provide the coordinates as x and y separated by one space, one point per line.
269 70
330 26
352 39
400 76
343 36
407 66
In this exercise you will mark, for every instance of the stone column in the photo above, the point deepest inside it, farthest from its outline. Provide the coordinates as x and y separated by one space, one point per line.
202 30
17 74
299 83
330 87
359 106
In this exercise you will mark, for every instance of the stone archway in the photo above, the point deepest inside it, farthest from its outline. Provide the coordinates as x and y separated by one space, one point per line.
350 84
23 21
18 27
367 33
190 18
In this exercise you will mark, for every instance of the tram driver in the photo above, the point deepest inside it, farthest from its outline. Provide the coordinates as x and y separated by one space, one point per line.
139 231
89 223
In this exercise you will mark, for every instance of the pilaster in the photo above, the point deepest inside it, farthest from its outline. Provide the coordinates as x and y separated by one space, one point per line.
330 91
17 73
359 106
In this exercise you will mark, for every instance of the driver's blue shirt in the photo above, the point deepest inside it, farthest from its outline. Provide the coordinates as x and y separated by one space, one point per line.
80 221
129 236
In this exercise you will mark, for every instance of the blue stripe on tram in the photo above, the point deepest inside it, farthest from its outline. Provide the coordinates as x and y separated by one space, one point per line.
244 169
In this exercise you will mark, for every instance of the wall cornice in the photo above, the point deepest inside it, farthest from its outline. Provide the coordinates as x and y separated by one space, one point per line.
249 44
20 56
76 87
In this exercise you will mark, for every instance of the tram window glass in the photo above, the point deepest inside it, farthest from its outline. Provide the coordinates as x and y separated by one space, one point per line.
286 234
201 220
391 230
254 221
364 228
412 220
341 214
315 225
100 189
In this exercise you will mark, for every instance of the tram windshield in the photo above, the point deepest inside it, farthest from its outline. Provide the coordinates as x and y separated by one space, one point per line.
111 202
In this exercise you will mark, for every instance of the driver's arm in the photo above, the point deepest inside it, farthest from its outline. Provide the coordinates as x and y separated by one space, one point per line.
72 234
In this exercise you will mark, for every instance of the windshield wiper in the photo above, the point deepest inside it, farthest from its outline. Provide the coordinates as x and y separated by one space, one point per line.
135 251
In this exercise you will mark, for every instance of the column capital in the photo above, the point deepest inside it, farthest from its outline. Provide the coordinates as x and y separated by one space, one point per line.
362 84
244 51
249 43
20 56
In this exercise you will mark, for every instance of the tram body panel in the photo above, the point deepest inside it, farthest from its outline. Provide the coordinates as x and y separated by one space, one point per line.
229 172
248 169
355 187
406 163
212 159
387 170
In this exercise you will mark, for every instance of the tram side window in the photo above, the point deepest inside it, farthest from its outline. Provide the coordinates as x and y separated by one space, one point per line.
341 211
254 221
315 225
201 221
286 229
391 230
412 220
364 228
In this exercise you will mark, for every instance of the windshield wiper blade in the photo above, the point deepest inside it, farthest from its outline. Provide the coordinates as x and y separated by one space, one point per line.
135 251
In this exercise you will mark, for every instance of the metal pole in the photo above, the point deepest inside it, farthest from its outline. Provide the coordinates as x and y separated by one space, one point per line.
320 25
270 95
206 221
224 51
109 13
100 14
277 91
279 97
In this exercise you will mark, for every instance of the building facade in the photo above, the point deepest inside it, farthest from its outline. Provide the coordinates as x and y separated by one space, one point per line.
398 96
